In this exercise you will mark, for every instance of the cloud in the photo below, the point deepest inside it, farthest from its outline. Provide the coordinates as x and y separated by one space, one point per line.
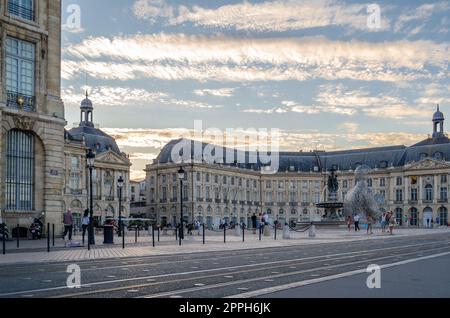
123 96
222 92
221 58
351 128
413 21
268 16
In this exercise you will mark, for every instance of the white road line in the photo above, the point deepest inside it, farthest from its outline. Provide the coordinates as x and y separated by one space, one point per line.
227 284
212 270
271 290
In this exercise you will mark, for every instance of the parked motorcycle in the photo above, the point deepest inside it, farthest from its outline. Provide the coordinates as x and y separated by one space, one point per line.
4 232
36 229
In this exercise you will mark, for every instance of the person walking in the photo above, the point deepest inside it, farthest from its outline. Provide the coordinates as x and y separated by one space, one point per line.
68 224
356 220
254 223
349 223
85 222
369 225
383 222
391 224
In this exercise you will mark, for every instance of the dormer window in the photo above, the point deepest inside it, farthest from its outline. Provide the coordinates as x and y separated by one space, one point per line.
438 156
22 8
423 156
383 164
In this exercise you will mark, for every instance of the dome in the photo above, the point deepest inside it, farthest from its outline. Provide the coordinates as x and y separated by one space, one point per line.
95 139
86 103
438 115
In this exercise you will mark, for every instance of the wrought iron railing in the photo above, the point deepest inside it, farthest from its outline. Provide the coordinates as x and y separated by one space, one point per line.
20 11
21 101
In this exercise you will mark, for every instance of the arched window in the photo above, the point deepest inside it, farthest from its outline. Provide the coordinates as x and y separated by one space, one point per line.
19 171
413 216
399 216
443 216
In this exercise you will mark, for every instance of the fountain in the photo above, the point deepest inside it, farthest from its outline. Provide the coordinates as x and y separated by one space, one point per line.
332 206
361 199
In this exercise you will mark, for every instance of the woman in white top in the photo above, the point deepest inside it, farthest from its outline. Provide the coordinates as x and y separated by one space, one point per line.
85 222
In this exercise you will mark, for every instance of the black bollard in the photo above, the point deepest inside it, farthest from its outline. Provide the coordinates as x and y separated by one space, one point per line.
48 237
275 232
123 236
18 235
158 233
176 233
153 236
135 235
4 238
203 234
53 234
179 235
243 232
224 234
260 232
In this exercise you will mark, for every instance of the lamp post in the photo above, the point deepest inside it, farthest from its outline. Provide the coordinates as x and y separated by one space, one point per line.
181 175
90 157
120 186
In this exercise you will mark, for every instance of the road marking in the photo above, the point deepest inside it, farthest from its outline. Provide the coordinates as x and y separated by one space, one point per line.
219 285
199 285
214 269
271 290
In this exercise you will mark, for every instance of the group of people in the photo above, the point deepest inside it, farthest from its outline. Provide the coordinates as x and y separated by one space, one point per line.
68 224
387 222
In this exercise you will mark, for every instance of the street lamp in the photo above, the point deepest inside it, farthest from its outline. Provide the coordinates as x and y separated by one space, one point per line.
90 157
181 175
120 186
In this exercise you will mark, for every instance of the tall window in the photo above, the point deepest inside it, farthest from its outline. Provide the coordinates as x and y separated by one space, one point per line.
22 8
19 170
429 192
20 73
399 195
414 194
443 196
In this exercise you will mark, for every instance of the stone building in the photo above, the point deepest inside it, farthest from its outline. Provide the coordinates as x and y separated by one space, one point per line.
138 199
43 167
31 111
110 165
413 180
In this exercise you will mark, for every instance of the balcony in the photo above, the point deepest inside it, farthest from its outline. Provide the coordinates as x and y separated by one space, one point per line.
217 200
269 203
174 200
281 203
305 204
293 204
20 11
76 192
412 202
109 198
234 202
209 200
21 101
242 202
442 200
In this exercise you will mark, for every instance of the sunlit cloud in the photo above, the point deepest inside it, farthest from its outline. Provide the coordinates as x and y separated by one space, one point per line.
273 16
221 92
413 21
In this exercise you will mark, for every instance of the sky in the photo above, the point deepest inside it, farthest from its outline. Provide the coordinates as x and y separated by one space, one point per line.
328 74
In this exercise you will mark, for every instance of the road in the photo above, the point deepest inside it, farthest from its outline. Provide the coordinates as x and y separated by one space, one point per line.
322 270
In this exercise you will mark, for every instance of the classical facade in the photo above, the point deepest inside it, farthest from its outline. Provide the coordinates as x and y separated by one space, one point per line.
110 165
31 111
43 167
413 180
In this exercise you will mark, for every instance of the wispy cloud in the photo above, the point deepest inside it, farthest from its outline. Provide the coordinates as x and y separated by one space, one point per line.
273 16
221 58
412 21
221 92
122 96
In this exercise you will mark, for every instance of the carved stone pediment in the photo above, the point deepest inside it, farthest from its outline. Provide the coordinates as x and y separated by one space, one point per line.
24 122
111 157
427 164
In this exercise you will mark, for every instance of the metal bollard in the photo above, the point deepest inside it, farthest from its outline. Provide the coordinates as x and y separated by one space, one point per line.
179 235
260 232
176 233
275 232
4 238
243 232
53 234
18 235
123 236
224 234
153 236
135 234
203 234
158 233
48 237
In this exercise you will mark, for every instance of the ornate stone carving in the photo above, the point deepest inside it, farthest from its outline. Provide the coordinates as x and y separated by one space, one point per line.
24 122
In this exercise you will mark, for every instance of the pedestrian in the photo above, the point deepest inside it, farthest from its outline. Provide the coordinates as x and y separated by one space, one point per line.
85 222
383 222
68 224
428 222
369 224
356 220
254 221
349 223
391 224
